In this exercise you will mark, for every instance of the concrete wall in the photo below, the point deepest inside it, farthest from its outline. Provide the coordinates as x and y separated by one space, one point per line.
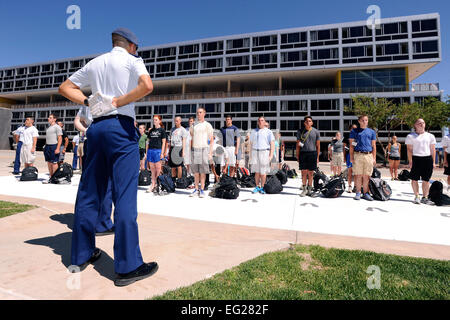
5 128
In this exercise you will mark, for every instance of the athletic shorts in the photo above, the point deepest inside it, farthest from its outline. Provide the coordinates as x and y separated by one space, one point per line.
447 170
394 158
200 160
231 155
308 160
260 162
154 155
25 154
141 154
49 153
337 159
175 158
363 165
422 168
347 160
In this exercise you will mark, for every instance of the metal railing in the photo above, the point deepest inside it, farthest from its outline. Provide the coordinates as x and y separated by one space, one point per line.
425 87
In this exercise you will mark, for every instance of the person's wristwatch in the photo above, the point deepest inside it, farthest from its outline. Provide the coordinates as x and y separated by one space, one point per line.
86 102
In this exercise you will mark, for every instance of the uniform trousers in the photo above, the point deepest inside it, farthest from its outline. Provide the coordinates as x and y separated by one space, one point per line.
112 154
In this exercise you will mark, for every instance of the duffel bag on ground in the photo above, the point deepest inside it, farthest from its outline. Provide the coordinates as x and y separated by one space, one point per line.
29 174
376 173
437 196
62 175
334 188
320 179
379 189
282 176
273 185
145 178
226 188
166 183
184 182
404 175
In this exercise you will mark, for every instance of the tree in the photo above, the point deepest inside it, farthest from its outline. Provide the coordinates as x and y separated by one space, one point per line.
384 115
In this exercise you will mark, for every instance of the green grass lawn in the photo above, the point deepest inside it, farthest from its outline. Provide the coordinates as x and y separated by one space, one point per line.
313 272
10 208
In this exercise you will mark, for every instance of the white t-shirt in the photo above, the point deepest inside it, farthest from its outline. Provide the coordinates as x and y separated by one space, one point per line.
76 139
177 135
19 131
421 143
201 131
114 74
28 134
446 143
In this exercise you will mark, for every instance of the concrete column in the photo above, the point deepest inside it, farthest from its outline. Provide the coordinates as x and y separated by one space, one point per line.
280 83
183 88
228 85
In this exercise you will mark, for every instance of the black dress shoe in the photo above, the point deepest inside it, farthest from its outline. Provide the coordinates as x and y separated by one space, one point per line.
144 271
105 233
95 256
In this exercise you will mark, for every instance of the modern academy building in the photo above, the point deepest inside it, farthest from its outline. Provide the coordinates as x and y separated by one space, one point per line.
281 74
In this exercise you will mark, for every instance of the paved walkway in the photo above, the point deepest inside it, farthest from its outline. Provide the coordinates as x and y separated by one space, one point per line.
35 245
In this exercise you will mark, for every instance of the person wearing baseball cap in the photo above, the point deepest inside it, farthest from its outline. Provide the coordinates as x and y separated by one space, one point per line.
117 79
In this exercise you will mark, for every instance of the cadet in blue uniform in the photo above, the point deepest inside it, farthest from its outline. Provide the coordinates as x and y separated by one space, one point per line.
117 79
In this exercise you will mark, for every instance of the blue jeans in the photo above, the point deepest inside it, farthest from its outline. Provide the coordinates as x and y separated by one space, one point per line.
75 158
117 161
17 160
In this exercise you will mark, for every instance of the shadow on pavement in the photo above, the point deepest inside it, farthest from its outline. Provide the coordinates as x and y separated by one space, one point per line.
61 245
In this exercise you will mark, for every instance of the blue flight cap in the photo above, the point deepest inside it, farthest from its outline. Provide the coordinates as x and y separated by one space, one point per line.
127 34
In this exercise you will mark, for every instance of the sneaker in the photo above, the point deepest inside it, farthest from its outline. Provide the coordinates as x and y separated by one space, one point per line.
256 190
367 197
46 181
193 193
304 192
417 200
426 201
358 196
310 191
349 190
261 190
201 194
354 190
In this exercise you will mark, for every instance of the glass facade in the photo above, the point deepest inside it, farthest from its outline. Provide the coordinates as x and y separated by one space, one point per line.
374 79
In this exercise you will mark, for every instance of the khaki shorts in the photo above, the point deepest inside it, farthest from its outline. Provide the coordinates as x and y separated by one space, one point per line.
363 165
80 149
25 154
231 155
260 162
337 159
200 160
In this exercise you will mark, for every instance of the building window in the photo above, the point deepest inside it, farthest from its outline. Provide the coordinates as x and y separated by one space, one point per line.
374 80
424 25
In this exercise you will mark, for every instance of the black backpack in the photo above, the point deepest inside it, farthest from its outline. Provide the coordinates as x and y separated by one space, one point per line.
244 180
404 175
436 194
166 183
226 188
29 174
62 175
145 178
376 173
184 182
320 179
379 189
273 185
334 188
282 176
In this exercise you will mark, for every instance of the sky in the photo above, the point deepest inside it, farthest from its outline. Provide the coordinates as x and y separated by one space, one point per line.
33 31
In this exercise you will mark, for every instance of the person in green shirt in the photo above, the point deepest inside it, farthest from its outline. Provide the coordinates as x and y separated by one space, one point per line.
142 141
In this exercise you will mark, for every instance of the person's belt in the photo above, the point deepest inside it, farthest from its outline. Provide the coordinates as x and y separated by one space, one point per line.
364 152
261 149
117 116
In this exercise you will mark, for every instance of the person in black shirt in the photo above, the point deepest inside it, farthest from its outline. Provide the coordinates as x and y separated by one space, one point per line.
156 145
347 158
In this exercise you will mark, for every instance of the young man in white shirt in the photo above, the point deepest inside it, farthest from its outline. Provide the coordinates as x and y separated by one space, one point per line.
201 132
446 146
262 146
28 150
421 156
178 136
